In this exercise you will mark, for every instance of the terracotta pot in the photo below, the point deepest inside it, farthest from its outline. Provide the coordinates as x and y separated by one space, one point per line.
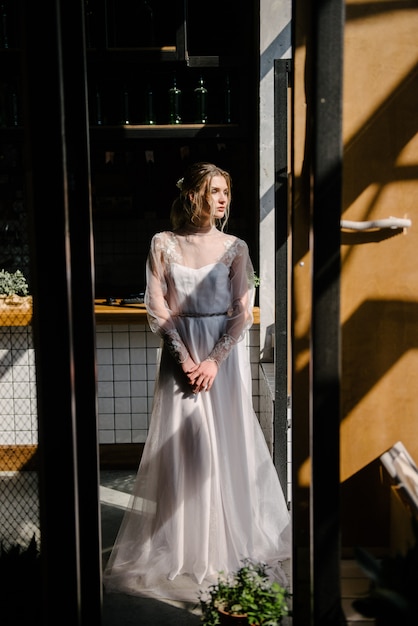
21 302
226 619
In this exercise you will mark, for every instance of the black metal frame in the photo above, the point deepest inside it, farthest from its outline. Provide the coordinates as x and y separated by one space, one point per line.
326 174
58 197
282 68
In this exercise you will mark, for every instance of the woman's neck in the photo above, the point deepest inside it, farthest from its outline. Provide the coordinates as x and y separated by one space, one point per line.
198 228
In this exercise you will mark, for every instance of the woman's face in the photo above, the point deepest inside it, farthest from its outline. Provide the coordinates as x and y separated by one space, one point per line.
218 199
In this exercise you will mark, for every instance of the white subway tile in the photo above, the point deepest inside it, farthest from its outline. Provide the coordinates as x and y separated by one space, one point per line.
120 340
104 356
105 405
139 405
121 356
103 340
123 436
122 389
137 339
23 422
121 372
104 373
138 388
138 371
105 389
20 373
106 421
106 436
139 436
123 421
123 405
139 421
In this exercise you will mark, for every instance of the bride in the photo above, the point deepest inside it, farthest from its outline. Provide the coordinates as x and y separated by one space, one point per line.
207 495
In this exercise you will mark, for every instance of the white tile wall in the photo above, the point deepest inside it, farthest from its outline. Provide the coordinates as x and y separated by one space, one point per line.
18 414
126 366
266 416
127 359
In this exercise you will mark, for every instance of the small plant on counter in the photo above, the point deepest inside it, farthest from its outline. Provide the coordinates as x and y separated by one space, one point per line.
13 283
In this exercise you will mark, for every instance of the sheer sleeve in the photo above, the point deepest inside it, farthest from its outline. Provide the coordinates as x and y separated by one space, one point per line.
158 312
240 315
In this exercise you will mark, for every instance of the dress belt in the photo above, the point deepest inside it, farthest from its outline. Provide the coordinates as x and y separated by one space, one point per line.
200 314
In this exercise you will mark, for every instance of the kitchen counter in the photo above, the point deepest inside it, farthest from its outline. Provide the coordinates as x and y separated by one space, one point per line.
117 314
127 354
104 313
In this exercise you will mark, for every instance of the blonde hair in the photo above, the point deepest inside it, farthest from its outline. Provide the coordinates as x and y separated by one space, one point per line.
194 192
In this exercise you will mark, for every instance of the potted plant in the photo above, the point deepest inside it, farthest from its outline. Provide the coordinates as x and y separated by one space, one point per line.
246 596
13 287
392 597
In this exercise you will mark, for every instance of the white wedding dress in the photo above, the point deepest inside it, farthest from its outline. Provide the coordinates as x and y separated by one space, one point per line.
206 494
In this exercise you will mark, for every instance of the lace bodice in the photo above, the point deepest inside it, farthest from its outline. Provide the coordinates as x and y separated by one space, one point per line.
199 273
196 248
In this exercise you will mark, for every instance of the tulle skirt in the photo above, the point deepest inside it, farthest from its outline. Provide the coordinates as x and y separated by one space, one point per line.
206 495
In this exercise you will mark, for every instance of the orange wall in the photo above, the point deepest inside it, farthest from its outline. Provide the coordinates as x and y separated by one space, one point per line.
379 279
379 297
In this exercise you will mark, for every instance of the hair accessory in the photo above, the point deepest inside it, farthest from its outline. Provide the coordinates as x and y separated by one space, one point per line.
179 183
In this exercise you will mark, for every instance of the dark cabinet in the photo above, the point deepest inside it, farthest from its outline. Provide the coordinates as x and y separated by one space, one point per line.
168 84
137 53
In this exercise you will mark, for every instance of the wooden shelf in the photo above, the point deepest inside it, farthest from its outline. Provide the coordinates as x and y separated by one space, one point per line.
140 55
164 131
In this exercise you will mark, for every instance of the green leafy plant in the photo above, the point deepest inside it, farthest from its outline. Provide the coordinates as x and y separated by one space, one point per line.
13 283
392 596
247 591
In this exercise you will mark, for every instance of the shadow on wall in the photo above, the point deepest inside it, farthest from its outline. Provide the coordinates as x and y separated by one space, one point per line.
374 338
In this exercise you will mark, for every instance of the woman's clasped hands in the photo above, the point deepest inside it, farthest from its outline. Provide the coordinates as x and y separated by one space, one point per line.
201 375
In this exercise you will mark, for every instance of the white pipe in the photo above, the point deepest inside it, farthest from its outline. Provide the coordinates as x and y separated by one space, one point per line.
390 222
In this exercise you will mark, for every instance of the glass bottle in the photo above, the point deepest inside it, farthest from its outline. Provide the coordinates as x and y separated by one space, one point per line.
174 101
125 106
201 103
98 119
149 106
227 102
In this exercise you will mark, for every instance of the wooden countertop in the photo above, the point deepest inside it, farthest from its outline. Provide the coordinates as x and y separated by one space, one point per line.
104 313
132 313
117 314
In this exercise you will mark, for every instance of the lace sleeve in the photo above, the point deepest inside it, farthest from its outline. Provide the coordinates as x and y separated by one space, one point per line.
222 349
158 311
240 316
175 345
